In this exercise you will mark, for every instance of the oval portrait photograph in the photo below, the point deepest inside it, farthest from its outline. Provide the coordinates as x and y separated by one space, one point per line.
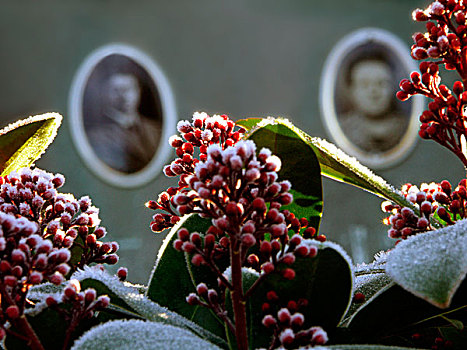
358 98
121 110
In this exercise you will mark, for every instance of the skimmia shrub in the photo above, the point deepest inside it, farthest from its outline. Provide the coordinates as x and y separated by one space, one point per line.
244 264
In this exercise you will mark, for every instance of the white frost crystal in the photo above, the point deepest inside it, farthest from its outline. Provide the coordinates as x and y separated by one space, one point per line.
136 334
431 265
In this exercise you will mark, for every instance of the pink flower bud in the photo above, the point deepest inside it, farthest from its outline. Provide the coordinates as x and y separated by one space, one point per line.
320 337
288 274
259 204
35 277
313 251
267 267
252 175
69 292
91 240
297 320
188 247
103 301
5 266
12 312
111 259
63 269
288 259
192 299
265 248
10 280
272 296
212 296
18 256
51 301
90 295
269 321
248 240
287 336
122 273
437 8
197 260
283 315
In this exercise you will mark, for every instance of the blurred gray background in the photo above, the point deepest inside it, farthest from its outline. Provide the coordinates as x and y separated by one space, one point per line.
242 58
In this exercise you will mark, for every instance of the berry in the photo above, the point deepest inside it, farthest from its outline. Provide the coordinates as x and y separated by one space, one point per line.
122 273
12 312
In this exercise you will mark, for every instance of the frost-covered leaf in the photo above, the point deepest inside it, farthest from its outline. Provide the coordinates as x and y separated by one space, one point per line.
369 280
140 335
23 142
326 281
368 285
171 292
336 164
431 265
128 297
299 165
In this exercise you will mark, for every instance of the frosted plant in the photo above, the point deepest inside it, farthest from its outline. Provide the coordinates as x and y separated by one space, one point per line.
239 192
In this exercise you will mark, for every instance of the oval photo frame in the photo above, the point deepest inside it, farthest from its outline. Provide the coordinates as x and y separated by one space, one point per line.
357 98
122 112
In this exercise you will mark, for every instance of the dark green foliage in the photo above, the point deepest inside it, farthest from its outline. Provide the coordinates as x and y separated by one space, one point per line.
325 281
170 282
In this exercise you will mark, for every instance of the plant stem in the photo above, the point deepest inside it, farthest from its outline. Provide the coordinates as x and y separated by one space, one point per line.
23 325
237 295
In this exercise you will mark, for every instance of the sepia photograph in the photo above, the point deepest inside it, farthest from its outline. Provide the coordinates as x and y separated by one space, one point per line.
121 107
358 98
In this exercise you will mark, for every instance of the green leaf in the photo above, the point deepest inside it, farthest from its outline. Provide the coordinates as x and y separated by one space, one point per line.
23 142
459 325
248 123
299 165
336 164
170 282
369 280
133 334
326 281
128 297
431 265
393 312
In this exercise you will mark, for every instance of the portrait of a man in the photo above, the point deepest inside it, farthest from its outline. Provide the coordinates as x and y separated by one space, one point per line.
358 98
371 121
122 114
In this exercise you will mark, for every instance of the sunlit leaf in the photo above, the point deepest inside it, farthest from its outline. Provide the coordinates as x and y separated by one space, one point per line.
23 142
336 164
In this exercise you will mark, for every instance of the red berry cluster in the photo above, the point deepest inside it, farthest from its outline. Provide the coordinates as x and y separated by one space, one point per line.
239 191
444 43
191 148
435 343
61 218
26 259
435 202
288 323
75 305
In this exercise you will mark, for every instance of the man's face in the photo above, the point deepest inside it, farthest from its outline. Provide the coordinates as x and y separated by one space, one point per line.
123 93
371 87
